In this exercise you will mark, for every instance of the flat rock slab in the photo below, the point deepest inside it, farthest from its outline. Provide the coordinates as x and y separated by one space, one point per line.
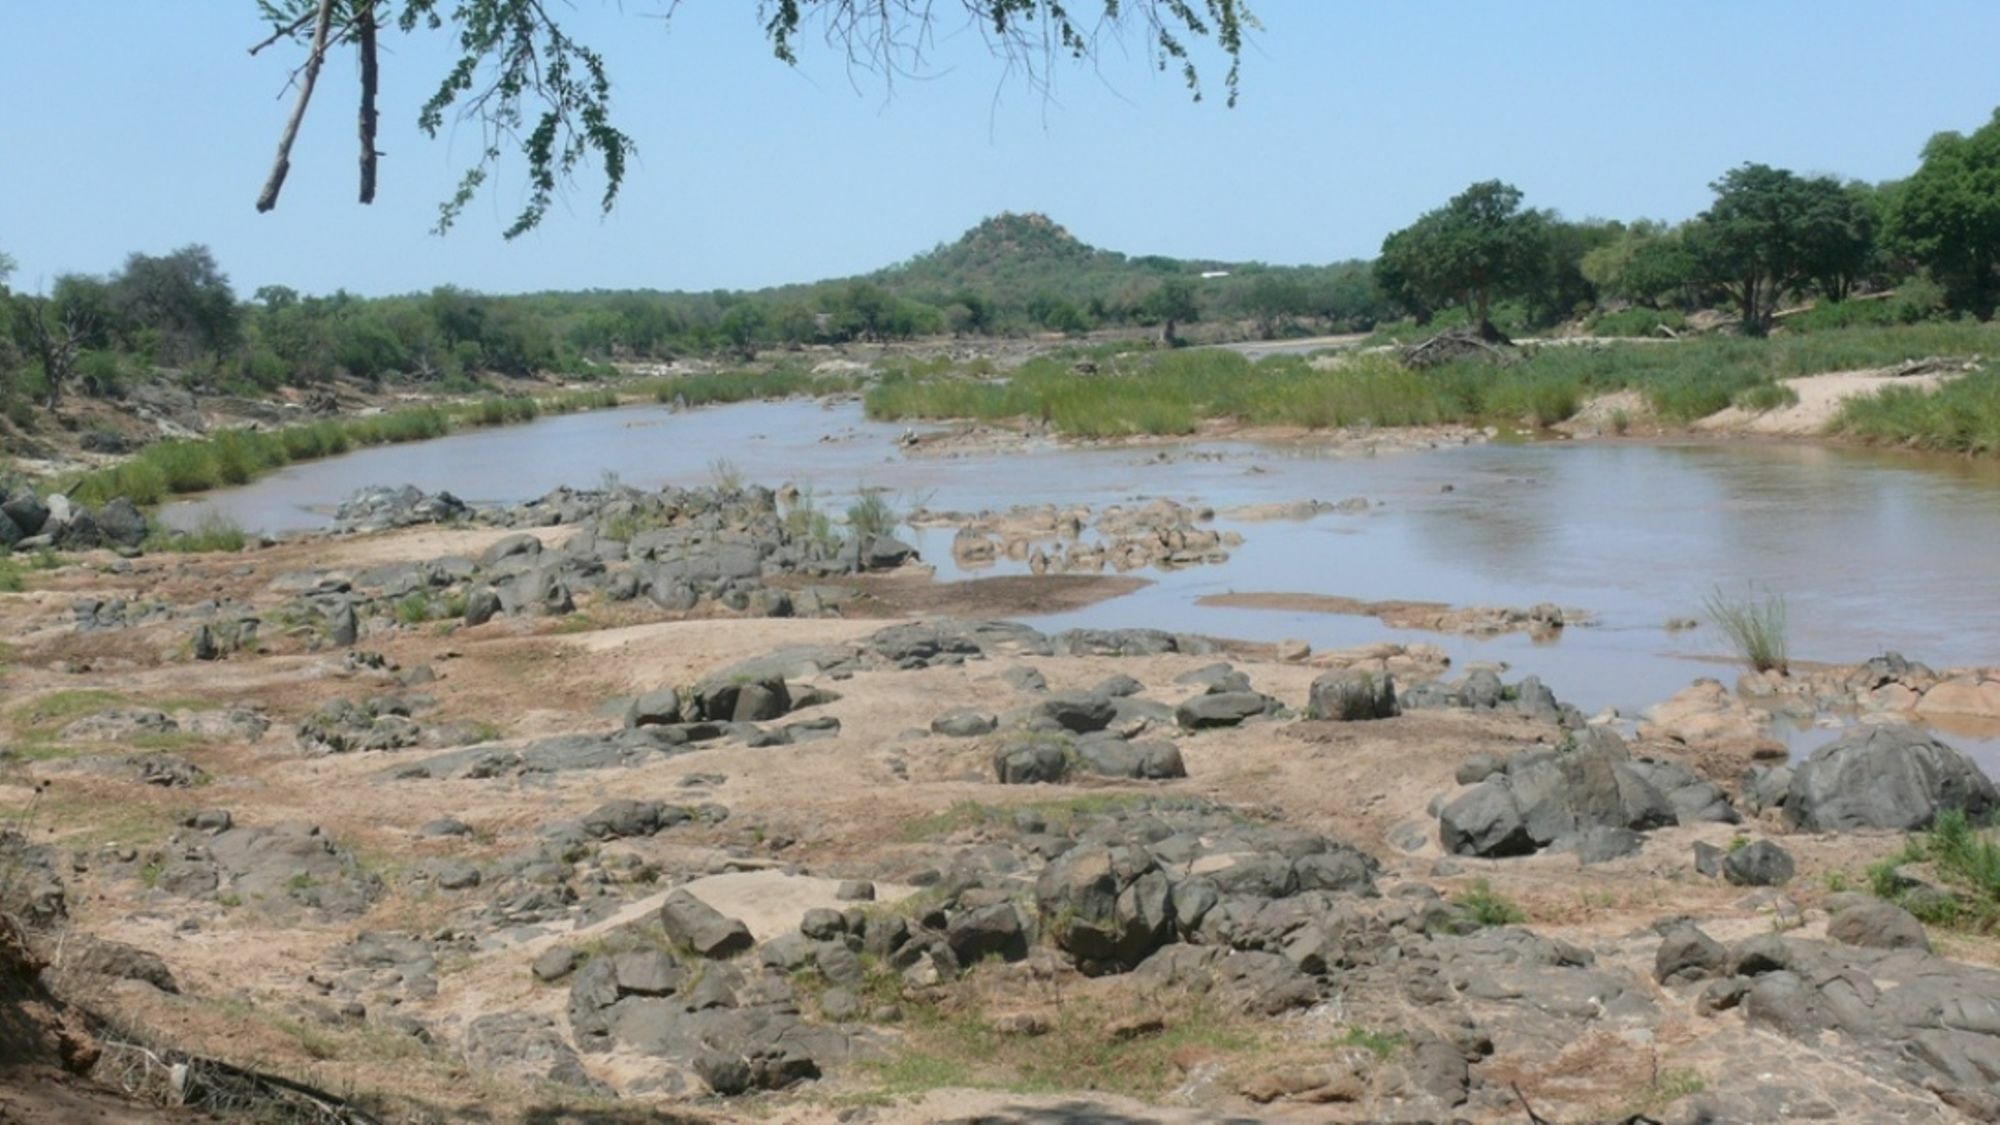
773 903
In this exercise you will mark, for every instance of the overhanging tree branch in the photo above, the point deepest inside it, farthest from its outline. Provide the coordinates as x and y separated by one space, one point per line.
282 166
536 91
364 31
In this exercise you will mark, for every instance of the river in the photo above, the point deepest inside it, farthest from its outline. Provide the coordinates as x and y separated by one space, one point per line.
1873 551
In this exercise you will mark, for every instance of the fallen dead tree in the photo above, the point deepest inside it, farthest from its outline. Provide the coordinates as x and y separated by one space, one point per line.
177 1078
1458 344
1935 365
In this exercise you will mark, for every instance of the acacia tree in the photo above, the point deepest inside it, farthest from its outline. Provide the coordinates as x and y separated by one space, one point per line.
1173 302
534 91
53 337
1771 231
1947 215
1481 246
9 360
1273 300
183 298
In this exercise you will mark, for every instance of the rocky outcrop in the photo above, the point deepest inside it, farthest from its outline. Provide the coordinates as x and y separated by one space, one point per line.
1161 534
30 523
1482 690
727 1029
1898 1014
1541 798
382 508
284 866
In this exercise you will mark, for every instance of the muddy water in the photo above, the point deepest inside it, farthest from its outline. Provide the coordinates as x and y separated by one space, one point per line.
1873 551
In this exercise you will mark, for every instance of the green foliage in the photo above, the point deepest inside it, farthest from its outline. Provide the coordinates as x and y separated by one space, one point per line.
214 532
1173 392
55 710
1486 907
1478 247
539 95
806 522
1643 261
238 455
1638 322
1666 1088
1077 1051
1947 216
1172 302
502 411
1964 859
414 609
1771 232
871 515
745 386
1762 398
1381 1044
1755 624
1962 416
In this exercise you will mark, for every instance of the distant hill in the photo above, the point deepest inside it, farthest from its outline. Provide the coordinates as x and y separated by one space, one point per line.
1013 257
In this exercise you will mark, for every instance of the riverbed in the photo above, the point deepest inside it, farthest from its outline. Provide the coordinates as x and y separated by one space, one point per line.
1873 551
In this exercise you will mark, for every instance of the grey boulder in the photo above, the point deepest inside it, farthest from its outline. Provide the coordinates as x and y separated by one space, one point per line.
1890 776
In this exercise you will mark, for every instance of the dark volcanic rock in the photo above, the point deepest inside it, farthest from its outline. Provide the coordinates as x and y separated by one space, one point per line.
1543 796
964 722
1223 709
1762 864
1030 761
1108 907
699 926
1352 696
1890 776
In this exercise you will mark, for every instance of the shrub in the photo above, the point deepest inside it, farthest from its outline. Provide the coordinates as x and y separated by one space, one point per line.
1962 416
871 515
1488 908
1765 397
1638 322
214 532
1965 862
805 522
413 609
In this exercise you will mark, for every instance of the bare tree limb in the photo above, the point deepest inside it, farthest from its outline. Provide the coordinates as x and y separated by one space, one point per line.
268 198
364 30
286 32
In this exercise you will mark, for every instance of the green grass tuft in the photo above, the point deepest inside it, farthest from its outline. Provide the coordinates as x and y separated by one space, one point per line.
215 532
1487 907
1755 625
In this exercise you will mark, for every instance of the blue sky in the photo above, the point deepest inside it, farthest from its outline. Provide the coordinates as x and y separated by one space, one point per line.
144 125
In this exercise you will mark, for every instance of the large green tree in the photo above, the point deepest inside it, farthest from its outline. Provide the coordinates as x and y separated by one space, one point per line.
181 301
1947 216
1173 303
532 91
1771 232
1480 247
1274 300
